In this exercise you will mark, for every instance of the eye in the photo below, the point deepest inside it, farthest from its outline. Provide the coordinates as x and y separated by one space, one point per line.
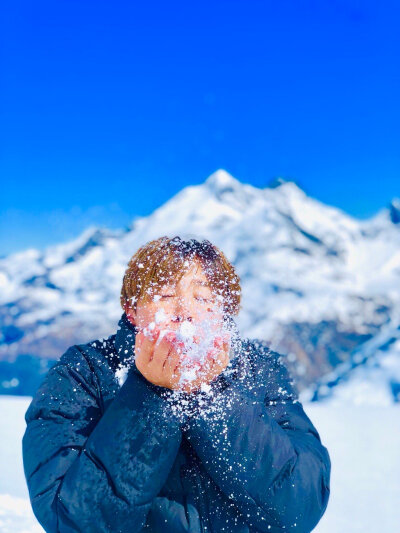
167 295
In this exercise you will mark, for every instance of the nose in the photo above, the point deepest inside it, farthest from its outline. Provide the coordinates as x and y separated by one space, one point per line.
182 311
181 318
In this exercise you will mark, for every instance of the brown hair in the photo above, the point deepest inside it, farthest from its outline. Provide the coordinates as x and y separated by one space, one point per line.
166 259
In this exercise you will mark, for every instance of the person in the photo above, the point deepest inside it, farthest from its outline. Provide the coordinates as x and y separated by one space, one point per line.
176 423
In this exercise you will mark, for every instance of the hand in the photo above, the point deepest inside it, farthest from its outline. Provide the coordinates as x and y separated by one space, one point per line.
158 362
163 363
217 360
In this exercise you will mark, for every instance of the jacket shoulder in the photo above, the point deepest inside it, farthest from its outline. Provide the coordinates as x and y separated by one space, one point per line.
80 377
259 352
80 358
270 368
85 363
96 353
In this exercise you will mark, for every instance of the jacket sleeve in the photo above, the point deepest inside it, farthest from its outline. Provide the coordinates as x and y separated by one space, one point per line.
89 471
263 451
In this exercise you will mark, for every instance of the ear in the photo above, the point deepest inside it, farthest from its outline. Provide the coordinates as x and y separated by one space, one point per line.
131 315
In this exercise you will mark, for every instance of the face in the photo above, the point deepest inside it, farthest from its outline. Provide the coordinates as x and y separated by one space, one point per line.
189 300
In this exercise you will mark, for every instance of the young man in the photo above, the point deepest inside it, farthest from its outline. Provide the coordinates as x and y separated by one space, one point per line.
175 423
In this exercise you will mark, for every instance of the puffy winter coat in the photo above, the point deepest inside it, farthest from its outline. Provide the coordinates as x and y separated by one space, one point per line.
106 455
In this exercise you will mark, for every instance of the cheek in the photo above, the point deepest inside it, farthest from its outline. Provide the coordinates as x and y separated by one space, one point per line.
210 312
209 322
160 313
146 315
163 314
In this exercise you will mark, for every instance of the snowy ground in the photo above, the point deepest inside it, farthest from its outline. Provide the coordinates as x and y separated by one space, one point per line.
363 442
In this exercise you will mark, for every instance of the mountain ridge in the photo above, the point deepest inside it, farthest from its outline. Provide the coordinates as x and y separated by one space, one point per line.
317 282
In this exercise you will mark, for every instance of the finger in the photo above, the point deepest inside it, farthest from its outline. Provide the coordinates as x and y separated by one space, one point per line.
214 353
227 346
151 334
171 354
211 356
145 345
218 342
161 350
178 352
221 362
171 350
172 366
221 345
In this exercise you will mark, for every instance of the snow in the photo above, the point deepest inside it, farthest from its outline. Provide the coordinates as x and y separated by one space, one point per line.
299 261
277 236
370 377
122 373
16 515
363 443
197 342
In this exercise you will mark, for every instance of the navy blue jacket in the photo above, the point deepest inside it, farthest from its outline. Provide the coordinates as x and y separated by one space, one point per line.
102 455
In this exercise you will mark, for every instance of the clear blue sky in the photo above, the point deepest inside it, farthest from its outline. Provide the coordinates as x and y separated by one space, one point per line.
110 108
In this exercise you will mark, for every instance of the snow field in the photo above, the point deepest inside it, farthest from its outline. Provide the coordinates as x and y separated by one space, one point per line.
363 443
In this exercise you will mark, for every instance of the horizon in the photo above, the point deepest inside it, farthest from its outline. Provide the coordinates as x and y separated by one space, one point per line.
109 110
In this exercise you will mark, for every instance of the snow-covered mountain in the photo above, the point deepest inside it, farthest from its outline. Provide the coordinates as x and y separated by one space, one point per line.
317 283
371 375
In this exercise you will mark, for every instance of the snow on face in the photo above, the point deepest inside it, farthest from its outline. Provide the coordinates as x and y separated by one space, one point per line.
194 341
191 313
160 316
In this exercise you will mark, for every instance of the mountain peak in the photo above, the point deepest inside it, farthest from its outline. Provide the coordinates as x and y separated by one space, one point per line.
279 182
221 179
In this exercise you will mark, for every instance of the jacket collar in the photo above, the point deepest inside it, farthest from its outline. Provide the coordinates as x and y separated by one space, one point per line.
124 343
125 339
